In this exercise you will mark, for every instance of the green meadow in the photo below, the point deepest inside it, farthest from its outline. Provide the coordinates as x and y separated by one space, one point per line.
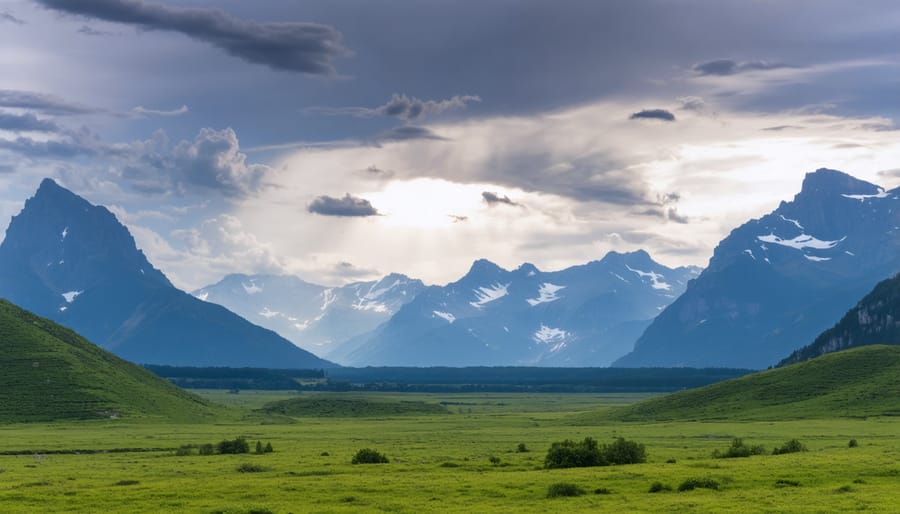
460 454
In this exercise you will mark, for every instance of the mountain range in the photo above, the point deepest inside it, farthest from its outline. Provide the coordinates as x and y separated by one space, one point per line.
314 317
775 283
586 315
74 263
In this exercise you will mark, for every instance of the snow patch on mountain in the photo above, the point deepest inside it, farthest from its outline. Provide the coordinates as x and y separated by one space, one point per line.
817 259
549 335
546 294
801 242
445 315
881 194
485 295
656 280
252 288
65 232
71 295
794 222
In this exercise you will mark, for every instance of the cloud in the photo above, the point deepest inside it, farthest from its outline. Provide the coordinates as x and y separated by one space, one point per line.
673 215
27 122
47 104
52 149
692 103
90 31
495 199
290 46
6 16
725 67
142 111
213 160
407 133
349 206
402 107
653 114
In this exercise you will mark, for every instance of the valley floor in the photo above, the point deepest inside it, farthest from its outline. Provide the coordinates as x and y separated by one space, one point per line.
463 461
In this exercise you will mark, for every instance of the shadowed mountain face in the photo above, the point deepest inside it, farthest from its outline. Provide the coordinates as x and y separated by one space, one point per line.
74 263
874 320
777 282
315 317
582 316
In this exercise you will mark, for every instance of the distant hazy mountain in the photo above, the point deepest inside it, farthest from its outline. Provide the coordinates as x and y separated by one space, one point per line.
74 263
582 316
874 320
312 316
777 282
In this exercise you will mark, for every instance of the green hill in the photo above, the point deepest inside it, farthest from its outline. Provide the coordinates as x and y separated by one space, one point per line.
853 383
48 372
874 320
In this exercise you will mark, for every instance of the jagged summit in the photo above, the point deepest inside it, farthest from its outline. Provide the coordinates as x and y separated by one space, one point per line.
828 181
73 262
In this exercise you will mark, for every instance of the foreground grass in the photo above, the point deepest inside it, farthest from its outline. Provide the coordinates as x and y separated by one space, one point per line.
442 463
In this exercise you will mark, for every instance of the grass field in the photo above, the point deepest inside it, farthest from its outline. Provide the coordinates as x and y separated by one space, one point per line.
442 462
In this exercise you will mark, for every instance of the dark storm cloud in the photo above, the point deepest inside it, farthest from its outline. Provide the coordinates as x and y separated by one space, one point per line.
41 102
291 46
402 107
407 133
25 123
6 16
348 206
725 67
495 199
91 31
653 114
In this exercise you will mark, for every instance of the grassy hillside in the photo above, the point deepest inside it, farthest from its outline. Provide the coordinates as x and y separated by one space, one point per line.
48 372
854 383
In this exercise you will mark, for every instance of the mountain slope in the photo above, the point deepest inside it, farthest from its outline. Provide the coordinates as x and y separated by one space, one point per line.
853 383
74 263
780 280
52 373
581 316
314 317
874 320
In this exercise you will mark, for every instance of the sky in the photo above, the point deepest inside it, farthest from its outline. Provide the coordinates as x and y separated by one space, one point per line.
343 140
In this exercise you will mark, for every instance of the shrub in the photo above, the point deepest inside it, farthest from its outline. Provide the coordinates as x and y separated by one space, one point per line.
659 487
184 450
206 449
621 451
238 445
739 449
671 461
698 483
852 444
792 446
564 489
251 468
324 454
369 456
569 454
127 482
449 465
494 460
787 483
602 490
844 489
521 448
268 448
